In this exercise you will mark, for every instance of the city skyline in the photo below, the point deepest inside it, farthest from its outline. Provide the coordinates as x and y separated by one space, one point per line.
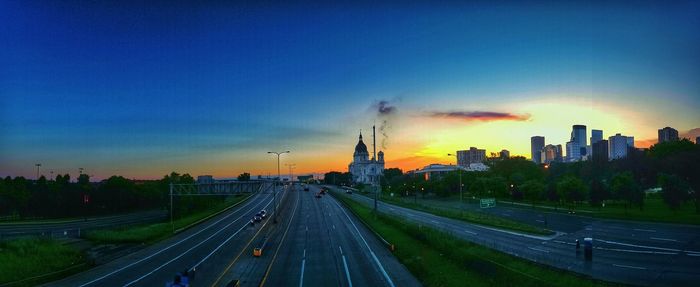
210 93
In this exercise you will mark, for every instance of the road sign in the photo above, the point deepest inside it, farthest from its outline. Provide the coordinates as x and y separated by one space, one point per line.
487 202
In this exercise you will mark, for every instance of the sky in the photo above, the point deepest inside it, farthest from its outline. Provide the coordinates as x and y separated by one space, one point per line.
143 89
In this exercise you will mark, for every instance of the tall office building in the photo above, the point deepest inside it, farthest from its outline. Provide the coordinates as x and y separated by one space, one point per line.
473 155
630 141
536 146
697 140
573 151
596 136
618 146
600 151
578 135
668 134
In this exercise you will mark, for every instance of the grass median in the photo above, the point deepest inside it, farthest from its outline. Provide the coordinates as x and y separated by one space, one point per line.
149 233
473 217
440 259
28 262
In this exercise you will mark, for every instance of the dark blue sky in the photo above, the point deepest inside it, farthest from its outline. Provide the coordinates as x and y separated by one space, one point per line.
142 89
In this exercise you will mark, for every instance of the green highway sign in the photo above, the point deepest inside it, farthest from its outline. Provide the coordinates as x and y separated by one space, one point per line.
487 202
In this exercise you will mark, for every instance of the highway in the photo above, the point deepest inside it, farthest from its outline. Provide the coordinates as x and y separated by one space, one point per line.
637 253
205 246
72 228
314 243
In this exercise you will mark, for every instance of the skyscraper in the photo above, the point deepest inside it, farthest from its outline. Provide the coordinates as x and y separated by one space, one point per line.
551 153
573 151
600 151
668 134
596 136
578 135
618 145
536 146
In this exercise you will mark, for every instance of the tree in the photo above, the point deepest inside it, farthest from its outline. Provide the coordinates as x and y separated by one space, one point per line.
625 188
674 190
244 176
572 189
533 190
390 173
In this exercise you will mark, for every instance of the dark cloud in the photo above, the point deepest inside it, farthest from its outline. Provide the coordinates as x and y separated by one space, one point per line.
483 116
384 108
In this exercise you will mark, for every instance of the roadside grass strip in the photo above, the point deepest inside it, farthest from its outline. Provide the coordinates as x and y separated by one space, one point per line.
438 258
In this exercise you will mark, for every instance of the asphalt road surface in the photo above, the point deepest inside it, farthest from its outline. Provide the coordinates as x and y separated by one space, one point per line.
72 228
315 242
327 246
638 253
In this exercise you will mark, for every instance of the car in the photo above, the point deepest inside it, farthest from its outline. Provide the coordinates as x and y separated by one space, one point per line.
348 191
306 188
318 195
252 222
261 214
257 218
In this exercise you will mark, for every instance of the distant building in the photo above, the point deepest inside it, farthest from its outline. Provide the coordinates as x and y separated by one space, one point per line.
473 155
505 154
596 136
551 153
618 145
435 170
668 134
536 146
599 151
697 140
573 151
363 169
578 140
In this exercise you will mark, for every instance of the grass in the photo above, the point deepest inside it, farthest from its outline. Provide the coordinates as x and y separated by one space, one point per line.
31 258
440 259
149 233
473 217
655 210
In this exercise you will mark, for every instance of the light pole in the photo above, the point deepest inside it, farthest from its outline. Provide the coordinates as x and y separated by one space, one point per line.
274 193
38 165
461 197
291 175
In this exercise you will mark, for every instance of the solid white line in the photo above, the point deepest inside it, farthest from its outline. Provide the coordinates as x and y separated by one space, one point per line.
347 272
692 254
433 221
663 239
303 264
376 260
166 248
639 246
541 221
227 240
193 247
470 232
645 230
632 267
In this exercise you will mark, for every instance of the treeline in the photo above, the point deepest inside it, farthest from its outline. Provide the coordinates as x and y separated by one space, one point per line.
671 166
59 197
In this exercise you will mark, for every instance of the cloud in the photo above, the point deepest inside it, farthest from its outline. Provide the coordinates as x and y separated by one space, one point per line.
483 116
384 108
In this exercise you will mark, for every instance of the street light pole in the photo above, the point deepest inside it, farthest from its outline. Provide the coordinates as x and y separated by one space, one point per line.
38 165
461 197
274 192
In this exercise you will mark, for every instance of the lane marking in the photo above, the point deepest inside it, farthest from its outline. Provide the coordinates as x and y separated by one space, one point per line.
537 249
347 272
645 230
172 245
470 232
693 254
631 267
376 260
644 246
303 264
433 221
279 246
663 239
195 246
540 221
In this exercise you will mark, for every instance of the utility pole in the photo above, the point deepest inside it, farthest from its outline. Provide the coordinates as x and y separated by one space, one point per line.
38 165
291 175
274 192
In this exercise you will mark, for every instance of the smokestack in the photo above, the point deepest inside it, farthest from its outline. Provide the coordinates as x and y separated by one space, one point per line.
374 143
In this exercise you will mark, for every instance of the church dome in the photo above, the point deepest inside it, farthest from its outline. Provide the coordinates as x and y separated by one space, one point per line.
361 147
